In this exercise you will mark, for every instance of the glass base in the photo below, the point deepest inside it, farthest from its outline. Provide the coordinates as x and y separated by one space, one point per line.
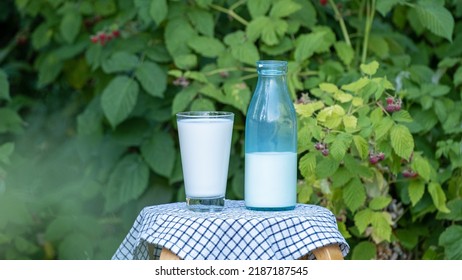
214 204
288 208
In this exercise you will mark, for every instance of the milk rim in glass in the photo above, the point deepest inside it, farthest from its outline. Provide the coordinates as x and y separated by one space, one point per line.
205 144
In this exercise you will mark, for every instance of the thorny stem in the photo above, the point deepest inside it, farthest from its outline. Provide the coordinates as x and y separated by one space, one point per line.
339 17
230 12
370 12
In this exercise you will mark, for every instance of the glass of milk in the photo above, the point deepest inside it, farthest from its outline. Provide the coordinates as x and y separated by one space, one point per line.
205 144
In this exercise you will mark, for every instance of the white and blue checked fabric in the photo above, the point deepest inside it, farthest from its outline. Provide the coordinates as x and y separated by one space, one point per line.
236 233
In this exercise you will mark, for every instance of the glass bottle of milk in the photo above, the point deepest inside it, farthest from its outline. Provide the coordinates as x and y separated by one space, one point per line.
271 142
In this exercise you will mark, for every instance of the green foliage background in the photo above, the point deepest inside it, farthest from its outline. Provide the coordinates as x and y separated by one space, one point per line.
88 134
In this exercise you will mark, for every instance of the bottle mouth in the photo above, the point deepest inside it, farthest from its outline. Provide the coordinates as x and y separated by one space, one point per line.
271 67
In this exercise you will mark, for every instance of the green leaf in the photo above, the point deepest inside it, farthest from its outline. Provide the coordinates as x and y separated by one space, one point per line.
341 177
383 127
127 182
344 52
4 86
450 240
409 238
379 202
331 116
6 150
185 61
203 3
10 121
402 116
105 7
328 87
357 85
436 18
422 167
385 6
49 69
381 227
307 110
70 26
416 190
326 167
361 146
206 46
119 62
237 95
158 10
41 36
363 219
340 145
365 250
246 53
203 21
158 53
354 195
258 7
307 165
316 42
152 78
285 45
458 77
177 34
182 99
203 104
402 141
284 8
159 152
350 122
455 206
270 30
370 68
438 197
379 46
119 98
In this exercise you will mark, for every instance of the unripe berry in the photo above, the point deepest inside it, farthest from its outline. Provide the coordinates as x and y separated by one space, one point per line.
319 146
391 108
374 159
325 152
381 156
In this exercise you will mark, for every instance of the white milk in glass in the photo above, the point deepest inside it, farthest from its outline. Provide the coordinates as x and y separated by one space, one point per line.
205 148
273 180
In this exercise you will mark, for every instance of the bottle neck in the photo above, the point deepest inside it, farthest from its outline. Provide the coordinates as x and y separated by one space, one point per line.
271 68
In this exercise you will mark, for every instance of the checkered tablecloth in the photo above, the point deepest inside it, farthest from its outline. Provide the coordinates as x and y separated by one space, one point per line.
233 234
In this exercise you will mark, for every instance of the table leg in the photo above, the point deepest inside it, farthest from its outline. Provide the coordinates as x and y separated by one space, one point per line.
329 252
166 254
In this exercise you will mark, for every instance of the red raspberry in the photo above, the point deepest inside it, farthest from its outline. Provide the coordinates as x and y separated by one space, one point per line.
116 33
325 152
323 2
390 100
94 39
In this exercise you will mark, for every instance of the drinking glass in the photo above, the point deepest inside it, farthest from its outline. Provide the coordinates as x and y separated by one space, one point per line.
205 144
